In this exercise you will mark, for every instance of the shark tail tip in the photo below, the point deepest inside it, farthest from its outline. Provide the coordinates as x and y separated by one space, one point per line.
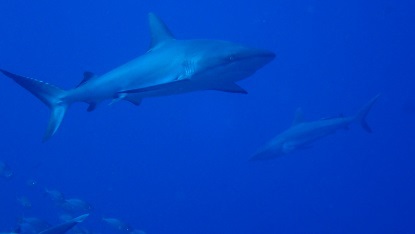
49 94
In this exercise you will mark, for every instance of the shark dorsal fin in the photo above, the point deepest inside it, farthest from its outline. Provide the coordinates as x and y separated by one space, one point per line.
87 76
158 30
299 117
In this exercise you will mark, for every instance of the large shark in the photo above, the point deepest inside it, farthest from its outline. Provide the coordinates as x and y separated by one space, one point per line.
169 67
302 134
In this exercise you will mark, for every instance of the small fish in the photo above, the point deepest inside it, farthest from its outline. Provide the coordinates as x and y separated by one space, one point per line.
24 202
31 182
55 195
75 205
5 170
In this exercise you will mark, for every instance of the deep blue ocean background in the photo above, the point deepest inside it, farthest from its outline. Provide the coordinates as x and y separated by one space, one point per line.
180 164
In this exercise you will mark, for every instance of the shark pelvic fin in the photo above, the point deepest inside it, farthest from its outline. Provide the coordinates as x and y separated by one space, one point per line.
158 30
134 100
49 94
231 88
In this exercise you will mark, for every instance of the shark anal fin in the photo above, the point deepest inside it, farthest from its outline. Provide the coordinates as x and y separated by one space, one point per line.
231 88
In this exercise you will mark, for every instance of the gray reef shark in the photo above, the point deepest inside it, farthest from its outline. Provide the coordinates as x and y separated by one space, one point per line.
169 67
301 134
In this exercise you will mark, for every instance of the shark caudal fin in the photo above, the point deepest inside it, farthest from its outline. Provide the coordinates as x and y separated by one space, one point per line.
48 94
361 116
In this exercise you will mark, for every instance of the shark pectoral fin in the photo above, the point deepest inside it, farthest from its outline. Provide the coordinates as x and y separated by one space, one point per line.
231 88
91 107
134 100
169 85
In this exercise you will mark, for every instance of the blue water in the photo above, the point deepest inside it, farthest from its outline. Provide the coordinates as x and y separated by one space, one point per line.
180 164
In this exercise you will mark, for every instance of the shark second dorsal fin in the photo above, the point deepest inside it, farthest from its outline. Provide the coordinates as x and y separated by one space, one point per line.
298 117
158 30
87 76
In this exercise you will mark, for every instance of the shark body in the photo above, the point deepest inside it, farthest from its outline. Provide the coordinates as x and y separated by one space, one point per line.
169 67
302 134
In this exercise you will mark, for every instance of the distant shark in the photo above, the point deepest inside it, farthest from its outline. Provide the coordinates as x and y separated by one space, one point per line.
169 67
302 134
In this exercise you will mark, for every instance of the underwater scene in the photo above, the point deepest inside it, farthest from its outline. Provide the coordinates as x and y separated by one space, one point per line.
219 116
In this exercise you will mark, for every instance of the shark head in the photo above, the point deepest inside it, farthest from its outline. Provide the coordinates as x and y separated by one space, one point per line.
228 61
208 60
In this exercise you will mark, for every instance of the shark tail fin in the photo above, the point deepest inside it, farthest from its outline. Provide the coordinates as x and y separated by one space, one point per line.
49 94
361 115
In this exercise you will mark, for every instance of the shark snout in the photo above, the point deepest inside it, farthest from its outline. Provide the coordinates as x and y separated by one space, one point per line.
253 59
267 56
257 56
